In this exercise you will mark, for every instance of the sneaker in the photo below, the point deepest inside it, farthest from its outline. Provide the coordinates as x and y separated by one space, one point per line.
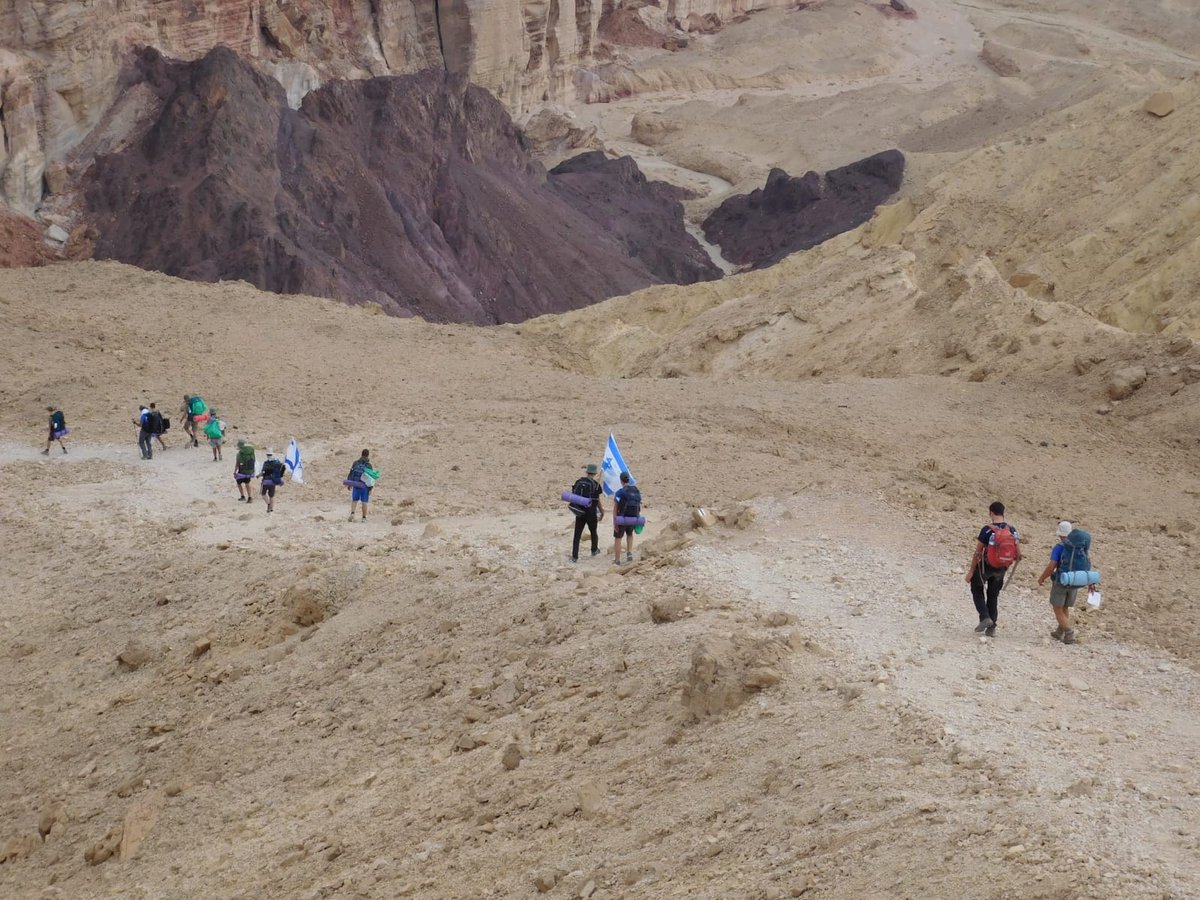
991 632
616 562
46 452
351 519
574 559
596 552
1068 636
984 624
240 499
64 451
628 557
1057 634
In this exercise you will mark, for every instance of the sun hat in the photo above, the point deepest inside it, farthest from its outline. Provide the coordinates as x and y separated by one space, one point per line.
270 453
241 442
592 468
1064 528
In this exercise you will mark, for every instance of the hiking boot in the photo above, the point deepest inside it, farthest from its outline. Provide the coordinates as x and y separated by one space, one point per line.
1057 634
628 557
984 624
64 451
991 632
1068 636
574 559
596 552
46 452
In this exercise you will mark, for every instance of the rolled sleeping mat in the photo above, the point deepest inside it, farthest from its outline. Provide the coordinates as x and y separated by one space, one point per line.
201 418
242 477
268 482
1078 579
350 483
62 432
632 521
576 499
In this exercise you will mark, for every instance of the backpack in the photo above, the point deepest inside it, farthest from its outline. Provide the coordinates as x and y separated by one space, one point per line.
58 421
199 407
1076 549
272 470
368 476
583 487
1002 549
631 506
245 455
166 425
154 422
213 429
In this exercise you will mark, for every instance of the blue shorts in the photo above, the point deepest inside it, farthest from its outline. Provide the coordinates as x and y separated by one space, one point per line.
360 495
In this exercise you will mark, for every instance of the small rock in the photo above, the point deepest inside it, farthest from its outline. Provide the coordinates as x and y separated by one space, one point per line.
1078 683
900 6
587 890
134 656
1160 104
51 815
512 757
432 530
201 647
998 60
59 235
1014 851
1125 381
703 518
545 881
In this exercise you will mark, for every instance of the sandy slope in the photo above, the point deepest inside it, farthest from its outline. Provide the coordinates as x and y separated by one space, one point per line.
320 746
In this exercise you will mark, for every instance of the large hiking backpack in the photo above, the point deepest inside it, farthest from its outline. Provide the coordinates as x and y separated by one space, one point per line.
213 429
272 470
154 422
58 421
166 425
1076 554
198 406
583 487
631 505
1002 550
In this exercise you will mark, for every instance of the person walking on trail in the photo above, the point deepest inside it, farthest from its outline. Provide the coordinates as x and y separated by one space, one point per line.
627 503
272 477
145 435
361 491
157 426
587 517
1062 598
243 470
58 429
215 432
997 548
189 421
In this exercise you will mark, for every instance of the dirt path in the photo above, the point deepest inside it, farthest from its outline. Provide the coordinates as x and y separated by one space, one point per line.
1100 737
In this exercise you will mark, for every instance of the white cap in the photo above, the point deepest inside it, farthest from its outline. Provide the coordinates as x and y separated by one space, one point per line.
1064 528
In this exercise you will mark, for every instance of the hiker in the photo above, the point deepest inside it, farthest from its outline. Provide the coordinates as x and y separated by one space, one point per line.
997 547
58 429
361 491
627 502
588 516
189 420
243 470
1062 598
142 421
215 432
272 477
157 425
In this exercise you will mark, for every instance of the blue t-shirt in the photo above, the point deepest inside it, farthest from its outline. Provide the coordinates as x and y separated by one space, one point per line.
619 497
1056 553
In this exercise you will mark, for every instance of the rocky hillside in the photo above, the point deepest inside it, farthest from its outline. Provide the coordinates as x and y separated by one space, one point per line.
414 192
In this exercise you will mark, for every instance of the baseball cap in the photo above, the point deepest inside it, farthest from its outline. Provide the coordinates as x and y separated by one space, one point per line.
1064 528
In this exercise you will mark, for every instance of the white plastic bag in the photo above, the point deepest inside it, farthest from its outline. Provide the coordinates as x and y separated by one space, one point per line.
1094 599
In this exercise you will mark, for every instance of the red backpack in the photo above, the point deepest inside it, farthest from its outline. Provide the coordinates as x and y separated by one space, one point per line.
1002 549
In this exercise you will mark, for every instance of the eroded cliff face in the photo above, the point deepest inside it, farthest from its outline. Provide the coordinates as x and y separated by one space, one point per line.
60 60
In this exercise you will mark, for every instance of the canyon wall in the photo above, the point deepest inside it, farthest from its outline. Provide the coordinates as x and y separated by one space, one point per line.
61 60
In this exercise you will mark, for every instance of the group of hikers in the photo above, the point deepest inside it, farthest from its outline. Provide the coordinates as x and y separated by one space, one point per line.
152 425
627 505
997 552
997 546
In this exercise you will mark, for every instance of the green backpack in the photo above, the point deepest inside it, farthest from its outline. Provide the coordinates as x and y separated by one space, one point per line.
213 428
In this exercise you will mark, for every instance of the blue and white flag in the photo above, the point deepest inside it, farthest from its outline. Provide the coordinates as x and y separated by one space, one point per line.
612 466
294 463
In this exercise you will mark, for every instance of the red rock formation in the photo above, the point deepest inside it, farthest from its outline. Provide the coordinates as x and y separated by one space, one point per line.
790 214
416 192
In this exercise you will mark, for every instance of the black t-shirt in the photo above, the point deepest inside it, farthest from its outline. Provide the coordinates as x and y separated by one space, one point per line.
586 487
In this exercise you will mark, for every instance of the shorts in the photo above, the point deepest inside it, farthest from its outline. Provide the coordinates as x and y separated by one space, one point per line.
1061 595
360 495
619 531
215 443
268 490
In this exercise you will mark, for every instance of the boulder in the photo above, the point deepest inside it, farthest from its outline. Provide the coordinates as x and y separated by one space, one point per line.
1125 381
1160 104
999 60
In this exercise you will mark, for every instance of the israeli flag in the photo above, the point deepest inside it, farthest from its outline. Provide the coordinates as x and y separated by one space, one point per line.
612 466
295 464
